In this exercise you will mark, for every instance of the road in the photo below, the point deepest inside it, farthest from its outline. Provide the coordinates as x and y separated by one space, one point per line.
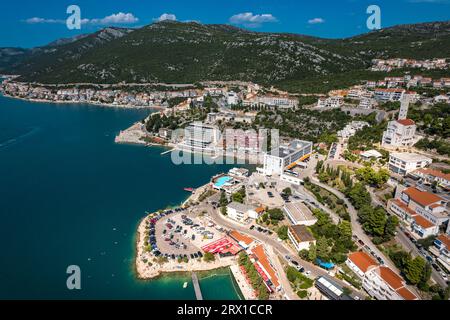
356 226
406 243
272 241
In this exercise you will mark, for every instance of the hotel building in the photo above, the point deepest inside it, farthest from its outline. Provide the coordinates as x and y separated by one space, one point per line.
380 282
284 157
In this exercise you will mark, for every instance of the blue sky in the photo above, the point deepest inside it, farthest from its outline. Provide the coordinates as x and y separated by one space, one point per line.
27 23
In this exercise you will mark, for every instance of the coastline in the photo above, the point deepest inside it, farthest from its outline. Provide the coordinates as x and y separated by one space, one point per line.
96 104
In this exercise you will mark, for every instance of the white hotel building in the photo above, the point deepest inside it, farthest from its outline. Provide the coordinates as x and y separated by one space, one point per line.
379 282
281 158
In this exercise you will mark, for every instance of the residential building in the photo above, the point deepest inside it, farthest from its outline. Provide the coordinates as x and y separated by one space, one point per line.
390 94
370 154
232 98
384 284
265 268
380 282
441 99
441 250
423 210
299 214
367 103
281 101
430 176
300 237
360 262
331 102
351 128
240 212
286 156
423 227
403 163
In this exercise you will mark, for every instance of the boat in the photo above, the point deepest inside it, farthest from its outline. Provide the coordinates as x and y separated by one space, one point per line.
185 285
189 189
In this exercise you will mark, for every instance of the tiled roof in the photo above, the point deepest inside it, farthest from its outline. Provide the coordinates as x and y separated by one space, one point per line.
434 173
424 223
362 260
264 261
423 198
404 207
406 294
391 278
240 237
445 239
406 122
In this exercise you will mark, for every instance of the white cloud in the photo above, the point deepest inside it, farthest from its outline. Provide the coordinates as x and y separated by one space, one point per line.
316 21
166 16
36 20
115 18
251 20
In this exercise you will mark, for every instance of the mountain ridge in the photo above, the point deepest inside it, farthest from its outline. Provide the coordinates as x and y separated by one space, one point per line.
188 52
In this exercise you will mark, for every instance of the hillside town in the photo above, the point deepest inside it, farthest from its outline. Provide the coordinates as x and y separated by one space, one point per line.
332 218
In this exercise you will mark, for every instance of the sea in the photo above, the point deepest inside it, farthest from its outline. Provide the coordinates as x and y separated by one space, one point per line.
70 196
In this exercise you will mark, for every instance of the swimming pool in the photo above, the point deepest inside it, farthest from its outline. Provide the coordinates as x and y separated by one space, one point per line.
220 182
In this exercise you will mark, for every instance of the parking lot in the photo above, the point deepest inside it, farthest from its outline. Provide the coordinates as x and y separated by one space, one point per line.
182 235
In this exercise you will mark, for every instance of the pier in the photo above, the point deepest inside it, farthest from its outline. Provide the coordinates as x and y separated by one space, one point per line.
198 292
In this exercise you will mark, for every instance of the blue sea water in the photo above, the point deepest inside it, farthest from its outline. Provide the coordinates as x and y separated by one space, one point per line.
70 196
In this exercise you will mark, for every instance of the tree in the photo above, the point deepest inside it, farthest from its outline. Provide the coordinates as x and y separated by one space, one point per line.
414 270
426 275
223 199
390 227
312 253
209 257
224 210
322 249
287 191
282 232
345 229
376 222
275 214
239 196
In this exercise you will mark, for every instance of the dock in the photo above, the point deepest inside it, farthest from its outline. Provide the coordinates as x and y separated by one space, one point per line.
198 292
166 152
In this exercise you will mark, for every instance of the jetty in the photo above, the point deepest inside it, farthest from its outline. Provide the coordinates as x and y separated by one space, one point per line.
198 292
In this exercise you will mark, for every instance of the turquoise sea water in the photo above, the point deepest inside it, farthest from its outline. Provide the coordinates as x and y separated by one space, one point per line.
70 196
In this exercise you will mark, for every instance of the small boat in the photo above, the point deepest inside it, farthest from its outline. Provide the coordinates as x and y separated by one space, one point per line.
185 285
189 189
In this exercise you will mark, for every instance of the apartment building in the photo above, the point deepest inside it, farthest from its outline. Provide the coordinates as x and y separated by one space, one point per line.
300 237
403 163
390 94
430 176
441 250
281 101
350 129
380 282
424 211
240 212
331 102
